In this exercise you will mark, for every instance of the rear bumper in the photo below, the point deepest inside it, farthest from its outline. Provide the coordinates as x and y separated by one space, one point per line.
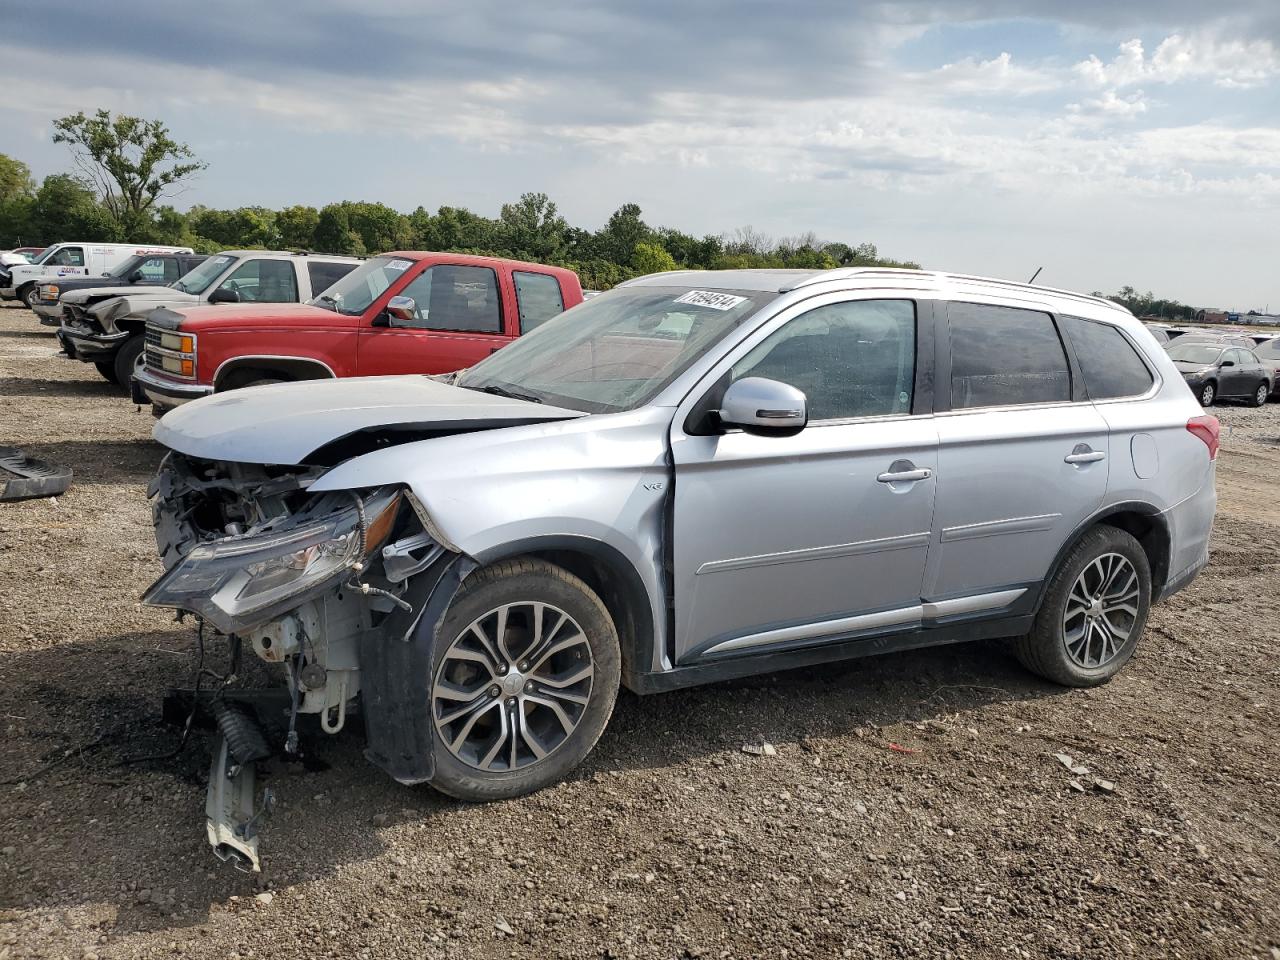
1190 525
166 394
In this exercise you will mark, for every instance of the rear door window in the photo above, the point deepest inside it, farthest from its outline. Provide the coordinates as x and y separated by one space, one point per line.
1005 356
158 270
1110 363
538 297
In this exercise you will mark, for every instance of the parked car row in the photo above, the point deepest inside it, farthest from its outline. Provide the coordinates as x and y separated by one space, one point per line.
1219 365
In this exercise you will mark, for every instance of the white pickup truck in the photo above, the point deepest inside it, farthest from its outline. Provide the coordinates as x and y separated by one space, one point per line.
72 259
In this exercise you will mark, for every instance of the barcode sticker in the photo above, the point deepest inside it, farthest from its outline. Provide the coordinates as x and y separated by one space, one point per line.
398 264
708 298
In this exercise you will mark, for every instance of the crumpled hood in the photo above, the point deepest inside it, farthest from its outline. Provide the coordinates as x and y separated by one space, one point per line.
283 423
151 296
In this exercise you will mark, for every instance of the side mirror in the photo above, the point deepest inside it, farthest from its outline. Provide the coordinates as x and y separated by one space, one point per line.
224 295
402 310
762 406
135 277
1227 363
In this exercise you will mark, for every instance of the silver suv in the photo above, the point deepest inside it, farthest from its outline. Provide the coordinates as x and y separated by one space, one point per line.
691 477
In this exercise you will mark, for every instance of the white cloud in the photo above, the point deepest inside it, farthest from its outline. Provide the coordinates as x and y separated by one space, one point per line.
1230 63
997 76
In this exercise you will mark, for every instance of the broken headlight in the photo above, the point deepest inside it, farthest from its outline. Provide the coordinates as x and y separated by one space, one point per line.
244 580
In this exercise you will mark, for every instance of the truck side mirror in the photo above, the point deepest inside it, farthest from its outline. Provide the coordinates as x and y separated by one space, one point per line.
401 310
135 277
224 295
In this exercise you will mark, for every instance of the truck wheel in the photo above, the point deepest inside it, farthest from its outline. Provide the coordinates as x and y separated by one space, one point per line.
1093 612
30 296
128 359
239 381
107 368
527 672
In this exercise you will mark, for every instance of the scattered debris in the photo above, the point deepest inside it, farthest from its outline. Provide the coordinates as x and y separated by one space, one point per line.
503 927
1076 785
765 749
1106 786
899 748
380 819
23 477
265 897
1079 769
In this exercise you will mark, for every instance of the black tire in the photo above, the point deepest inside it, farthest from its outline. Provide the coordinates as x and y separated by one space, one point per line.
1044 650
126 359
108 370
1260 394
30 295
518 581
250 379
1207 394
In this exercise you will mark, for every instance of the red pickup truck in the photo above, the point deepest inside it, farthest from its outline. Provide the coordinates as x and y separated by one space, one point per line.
403 312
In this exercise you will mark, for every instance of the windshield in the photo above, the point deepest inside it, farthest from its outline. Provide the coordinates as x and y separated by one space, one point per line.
353 293
1268 349
616 351
44 255
199 279
1194 352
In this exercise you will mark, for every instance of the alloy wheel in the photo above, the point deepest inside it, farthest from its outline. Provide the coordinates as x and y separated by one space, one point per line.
513 686
1207 394
1101 611
1260 397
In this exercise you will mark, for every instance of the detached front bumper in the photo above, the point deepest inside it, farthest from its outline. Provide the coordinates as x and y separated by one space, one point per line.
90 345
149 387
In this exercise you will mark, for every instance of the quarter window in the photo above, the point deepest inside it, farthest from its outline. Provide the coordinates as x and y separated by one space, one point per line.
263 281
854 359
1109 362
538 297
158 270
456 298
1003 356
325 274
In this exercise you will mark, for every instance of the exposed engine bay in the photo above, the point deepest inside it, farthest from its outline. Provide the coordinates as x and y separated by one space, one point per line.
306 582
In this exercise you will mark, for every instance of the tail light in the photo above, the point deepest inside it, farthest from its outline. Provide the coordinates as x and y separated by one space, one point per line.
1206 429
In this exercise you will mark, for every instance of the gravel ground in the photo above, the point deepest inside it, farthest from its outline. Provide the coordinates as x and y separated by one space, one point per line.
671 841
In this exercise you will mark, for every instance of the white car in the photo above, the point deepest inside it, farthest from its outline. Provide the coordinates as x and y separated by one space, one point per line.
72 259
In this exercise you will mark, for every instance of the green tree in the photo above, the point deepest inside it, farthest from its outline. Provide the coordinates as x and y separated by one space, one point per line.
651 258
65 208
130 161
15 180
617 240
531 229
334 233
297 227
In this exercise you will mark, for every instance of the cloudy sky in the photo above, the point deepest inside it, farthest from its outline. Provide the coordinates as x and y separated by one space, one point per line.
1111 142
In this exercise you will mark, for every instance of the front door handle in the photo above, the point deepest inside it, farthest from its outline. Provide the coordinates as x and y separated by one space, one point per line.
1084 455
905 476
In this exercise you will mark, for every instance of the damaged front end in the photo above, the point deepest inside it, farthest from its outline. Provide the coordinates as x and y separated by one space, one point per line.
326 587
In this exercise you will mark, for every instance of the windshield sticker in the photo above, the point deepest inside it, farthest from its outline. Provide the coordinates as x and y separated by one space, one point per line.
219 261
706 298
398 265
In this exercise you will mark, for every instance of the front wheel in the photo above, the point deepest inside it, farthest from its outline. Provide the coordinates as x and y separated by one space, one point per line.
1093 613
31 296
526 676
1260 395
129 360
1208 393
107 368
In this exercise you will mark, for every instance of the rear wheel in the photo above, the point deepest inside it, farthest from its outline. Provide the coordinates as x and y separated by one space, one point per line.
107 368
129 360
1208 394
1260 395
526 676
1093 612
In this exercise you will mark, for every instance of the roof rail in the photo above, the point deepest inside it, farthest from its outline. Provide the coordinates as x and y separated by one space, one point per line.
849 273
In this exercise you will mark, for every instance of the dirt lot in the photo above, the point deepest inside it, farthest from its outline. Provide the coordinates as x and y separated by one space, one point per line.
671 841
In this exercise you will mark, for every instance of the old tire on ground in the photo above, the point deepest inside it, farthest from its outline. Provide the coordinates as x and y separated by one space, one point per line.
1207 394
128 359
1093 612
527 667
1260 395
107 368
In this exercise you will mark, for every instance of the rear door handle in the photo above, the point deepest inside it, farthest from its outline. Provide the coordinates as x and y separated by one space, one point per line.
1085 456
905 476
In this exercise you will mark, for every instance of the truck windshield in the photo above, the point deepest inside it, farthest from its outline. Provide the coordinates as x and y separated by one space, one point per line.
352 294
199 279
616 351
